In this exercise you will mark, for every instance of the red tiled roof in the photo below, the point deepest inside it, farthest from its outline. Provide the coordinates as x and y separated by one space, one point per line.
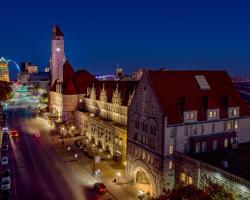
68 71
69 88
171 85
82 79
56 31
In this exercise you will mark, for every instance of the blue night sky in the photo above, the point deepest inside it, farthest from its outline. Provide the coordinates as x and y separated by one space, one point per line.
176 34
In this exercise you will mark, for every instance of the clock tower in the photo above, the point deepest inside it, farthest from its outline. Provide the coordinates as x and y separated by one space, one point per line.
57 58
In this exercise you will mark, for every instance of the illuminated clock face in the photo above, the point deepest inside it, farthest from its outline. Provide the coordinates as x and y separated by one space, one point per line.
58 49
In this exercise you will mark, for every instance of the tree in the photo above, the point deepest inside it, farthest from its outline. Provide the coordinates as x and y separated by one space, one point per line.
218 192
189 192
44 98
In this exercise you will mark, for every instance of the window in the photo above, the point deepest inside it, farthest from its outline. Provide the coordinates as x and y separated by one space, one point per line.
213 127
135 136
226 143
182 177
232 140
190 116
229 126
194 129
197 147
215 145
200 129
212 114
190 180
204 146
202 82
186 130
236 124
171 149
173 132
233 112
170 165
186 148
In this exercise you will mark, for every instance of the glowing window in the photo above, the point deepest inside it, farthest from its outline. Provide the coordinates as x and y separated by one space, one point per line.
236 124
182 177
190 180
170 165
226 143
171 149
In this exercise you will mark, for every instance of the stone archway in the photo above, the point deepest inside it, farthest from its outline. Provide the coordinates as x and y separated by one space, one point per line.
143 177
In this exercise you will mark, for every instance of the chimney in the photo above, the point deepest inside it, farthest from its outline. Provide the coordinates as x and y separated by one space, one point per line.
181 105
205 103
225 102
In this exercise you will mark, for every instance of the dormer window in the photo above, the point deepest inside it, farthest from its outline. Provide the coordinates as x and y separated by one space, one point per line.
233 112
213 114
190 116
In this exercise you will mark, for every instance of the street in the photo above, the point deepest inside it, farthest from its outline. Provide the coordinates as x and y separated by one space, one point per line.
38 172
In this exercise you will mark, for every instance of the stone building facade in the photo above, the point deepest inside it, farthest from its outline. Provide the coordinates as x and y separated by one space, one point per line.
103 115
109 136
190 112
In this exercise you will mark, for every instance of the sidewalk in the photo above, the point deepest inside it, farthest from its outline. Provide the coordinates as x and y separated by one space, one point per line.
84 166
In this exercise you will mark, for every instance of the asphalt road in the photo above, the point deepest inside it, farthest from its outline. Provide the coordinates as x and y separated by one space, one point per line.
37 170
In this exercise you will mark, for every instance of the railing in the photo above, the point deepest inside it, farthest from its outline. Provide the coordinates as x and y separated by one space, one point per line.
211 168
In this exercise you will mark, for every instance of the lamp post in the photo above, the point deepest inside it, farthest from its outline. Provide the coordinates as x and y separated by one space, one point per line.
62 133
118 176
141 194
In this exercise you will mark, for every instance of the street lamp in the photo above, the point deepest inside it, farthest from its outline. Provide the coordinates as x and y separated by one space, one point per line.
118 176
141 194
62 131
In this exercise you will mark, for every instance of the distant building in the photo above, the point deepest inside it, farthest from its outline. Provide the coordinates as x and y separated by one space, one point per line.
41 79
243 87
118 73
4 70
46 69
29 68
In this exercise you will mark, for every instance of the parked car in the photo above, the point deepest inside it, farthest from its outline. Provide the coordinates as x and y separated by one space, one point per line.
100 188
5 147
5 185
6 173
5 128
6 135
4 123
4 160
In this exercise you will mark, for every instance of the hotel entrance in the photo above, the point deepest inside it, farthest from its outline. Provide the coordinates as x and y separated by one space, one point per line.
143 182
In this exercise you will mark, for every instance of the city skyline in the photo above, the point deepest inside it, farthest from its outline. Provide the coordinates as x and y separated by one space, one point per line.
98 36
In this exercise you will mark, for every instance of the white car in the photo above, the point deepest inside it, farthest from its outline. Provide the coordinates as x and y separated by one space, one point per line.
4 160
5 183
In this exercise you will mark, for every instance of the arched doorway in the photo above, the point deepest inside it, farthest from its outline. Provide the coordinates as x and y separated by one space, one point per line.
143 181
